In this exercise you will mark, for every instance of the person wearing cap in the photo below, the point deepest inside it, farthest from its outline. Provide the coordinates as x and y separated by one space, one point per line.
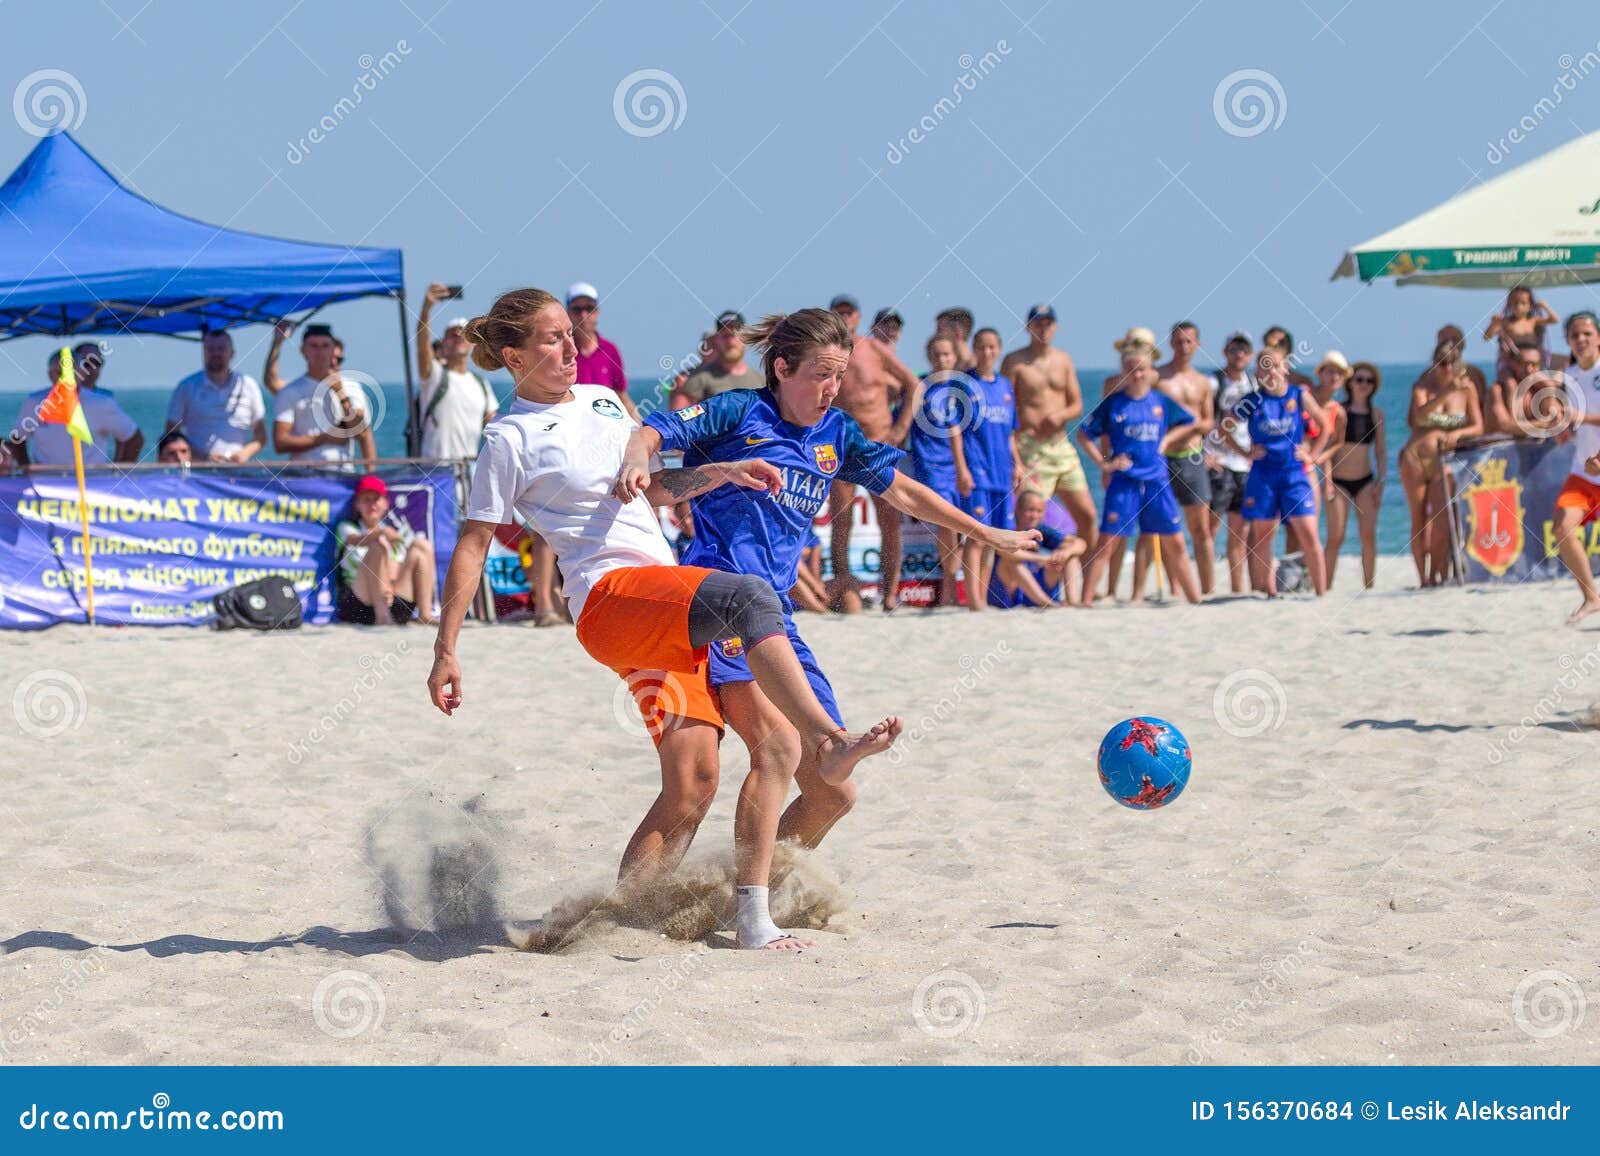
1228 455
36 442
724 367
318 417
1049 399
174 449
875 381
220 409
456 403
599 361
385 573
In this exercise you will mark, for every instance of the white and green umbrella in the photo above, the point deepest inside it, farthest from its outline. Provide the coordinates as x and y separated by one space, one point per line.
1537 225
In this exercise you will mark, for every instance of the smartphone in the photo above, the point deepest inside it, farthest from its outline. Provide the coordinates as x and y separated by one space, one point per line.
452 292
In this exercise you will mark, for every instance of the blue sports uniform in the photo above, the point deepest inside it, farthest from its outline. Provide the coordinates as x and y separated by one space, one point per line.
1140 496
1050 540
744 532
933 463
1278 485
986 442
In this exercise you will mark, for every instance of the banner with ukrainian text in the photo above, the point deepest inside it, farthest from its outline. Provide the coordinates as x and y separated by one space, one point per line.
165 543
1503 501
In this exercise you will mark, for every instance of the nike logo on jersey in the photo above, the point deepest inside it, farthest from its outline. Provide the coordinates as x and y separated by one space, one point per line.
756 441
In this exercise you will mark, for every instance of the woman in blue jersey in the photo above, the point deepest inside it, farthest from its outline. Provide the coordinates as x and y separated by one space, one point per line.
936 446
1278 487
791 425
989 456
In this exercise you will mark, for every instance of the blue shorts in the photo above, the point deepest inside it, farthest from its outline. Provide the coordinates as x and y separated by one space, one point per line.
1000 600
1272 493
1149 506
991 507
940 482
728 664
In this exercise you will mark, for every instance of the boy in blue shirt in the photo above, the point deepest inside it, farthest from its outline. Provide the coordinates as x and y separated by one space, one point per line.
1127 437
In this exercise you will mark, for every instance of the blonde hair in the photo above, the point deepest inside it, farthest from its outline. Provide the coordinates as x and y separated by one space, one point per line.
506 324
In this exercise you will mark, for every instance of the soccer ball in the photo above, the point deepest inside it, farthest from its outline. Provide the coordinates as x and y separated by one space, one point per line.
1144 763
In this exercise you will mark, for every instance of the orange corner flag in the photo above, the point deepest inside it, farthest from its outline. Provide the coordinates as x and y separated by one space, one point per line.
62 406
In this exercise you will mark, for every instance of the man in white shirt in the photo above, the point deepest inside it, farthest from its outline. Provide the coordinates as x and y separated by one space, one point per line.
219 410
43 443
1578 504
317 417
456 402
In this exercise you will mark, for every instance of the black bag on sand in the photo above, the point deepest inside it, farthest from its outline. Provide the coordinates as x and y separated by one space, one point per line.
265 604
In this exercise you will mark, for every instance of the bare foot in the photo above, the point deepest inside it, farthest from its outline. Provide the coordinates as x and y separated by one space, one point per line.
784 942
841 752
1590 606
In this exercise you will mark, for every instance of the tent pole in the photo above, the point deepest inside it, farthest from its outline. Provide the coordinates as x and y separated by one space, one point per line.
413 434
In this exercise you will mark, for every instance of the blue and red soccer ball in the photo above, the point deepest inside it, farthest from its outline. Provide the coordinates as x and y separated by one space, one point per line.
1144 763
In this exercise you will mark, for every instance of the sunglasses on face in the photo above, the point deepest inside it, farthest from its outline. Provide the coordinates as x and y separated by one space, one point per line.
582 308
1364 379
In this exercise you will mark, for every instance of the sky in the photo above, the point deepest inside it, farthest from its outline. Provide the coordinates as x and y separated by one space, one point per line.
689 158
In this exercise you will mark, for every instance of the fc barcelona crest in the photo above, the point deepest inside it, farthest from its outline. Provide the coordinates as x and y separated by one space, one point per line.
827 457
731 647
1494 517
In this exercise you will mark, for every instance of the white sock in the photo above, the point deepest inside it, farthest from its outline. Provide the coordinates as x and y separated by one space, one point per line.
754 922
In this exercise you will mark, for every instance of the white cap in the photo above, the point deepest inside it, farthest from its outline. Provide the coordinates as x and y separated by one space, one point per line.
455 323
582 289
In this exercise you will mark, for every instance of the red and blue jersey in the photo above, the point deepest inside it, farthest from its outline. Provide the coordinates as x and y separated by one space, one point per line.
1135 426
748 532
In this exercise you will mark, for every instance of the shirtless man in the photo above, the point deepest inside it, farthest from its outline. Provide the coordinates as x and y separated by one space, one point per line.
874 381
1048 400
1186 460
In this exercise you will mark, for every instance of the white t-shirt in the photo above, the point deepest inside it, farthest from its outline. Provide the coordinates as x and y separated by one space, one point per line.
306 406
1229 394
217 419
1583 393
49 443
554 465
453 428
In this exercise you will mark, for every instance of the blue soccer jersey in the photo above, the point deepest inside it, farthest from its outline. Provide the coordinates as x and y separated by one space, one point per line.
1277 424
1135 426
747 532
986 432
943 403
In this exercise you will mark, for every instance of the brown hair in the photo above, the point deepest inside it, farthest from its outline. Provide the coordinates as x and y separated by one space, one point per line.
506 323
793 335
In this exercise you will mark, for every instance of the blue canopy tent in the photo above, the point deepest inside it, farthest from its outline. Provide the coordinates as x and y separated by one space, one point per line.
81 254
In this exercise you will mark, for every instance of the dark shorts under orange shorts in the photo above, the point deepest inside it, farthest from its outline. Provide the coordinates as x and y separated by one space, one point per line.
1579 493
636 621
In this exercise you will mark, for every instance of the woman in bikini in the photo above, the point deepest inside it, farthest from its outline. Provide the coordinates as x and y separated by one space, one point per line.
553 460
1357 469
1444 410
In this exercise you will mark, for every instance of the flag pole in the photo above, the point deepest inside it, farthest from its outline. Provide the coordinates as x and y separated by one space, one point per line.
83 516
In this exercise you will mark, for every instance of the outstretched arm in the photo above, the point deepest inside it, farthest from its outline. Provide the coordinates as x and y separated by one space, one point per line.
914 498
460 586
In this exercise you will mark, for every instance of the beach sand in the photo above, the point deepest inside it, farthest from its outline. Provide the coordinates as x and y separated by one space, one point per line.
1377 859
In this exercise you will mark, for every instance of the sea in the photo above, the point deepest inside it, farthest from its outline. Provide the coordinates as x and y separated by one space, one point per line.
148 406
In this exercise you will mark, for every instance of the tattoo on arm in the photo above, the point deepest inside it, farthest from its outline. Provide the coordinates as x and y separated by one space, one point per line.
685 483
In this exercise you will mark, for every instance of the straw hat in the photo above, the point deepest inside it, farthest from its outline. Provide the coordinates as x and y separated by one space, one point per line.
1336 359
1137 339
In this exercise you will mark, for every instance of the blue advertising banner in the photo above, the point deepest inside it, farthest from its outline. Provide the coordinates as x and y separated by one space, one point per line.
164 543
1503 501
932 1110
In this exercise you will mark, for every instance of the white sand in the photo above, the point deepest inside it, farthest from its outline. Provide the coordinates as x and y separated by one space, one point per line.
1369 880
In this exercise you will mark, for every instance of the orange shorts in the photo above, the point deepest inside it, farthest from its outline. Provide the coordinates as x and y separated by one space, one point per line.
1579 493
636 621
